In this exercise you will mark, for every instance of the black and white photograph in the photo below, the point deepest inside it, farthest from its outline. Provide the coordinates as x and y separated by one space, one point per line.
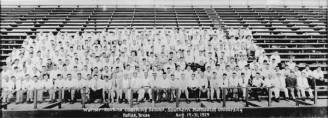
163 58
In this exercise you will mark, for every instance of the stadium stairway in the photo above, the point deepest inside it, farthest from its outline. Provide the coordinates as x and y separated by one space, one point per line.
214 16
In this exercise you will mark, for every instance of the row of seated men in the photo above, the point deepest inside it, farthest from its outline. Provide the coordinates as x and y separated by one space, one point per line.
160 85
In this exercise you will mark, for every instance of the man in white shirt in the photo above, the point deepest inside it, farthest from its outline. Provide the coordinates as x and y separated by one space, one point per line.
215 84
124 86
318 76
263 57
183 82
274 64
225 82
108 88
156 86
208 73
174 84
233 82
275 56
28 82
259 51
48 86
232 32
279 84
146 87
267 70
59 83
302 86
72 86
78 86
41 88
228 71
67 88
193 87
189 58
136 84
243 81
19 90
309 76
257 82
203 83
291 64
165 87
188 73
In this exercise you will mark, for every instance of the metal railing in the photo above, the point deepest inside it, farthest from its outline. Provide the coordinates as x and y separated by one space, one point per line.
177 100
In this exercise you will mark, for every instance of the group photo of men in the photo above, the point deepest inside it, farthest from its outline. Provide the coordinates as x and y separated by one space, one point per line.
154 64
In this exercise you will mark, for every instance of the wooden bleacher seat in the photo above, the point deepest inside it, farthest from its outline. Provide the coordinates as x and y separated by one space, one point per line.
272 26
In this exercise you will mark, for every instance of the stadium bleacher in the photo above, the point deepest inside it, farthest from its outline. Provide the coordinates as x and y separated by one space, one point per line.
296 32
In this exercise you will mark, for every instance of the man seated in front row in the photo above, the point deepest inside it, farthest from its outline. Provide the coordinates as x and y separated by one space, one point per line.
302 86
107 90
243 82
193 87
173 87
291 83
164 86
279 84
155 87
137 86
215 84
233 82
125 89
257 82
183 87
96 88
203 82
146 87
